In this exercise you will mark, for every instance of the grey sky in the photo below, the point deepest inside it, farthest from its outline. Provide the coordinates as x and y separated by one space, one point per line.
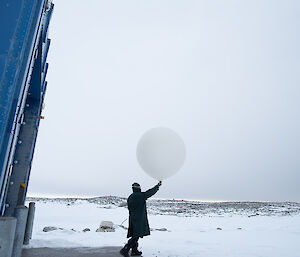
224 74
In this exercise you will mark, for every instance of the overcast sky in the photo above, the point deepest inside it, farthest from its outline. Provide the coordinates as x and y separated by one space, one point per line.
225 75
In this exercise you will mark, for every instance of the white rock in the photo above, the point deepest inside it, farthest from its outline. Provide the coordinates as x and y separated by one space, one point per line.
105 230
123 204
106 226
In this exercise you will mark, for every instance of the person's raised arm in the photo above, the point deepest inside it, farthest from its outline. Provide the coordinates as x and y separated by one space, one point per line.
152 191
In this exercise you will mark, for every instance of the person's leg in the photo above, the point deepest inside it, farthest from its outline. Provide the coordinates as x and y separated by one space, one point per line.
135 251
132 242
125 250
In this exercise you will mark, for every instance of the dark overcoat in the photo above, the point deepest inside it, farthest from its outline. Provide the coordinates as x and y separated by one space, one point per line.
138 220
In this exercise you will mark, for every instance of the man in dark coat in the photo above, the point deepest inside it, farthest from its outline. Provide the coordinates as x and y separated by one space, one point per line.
138 221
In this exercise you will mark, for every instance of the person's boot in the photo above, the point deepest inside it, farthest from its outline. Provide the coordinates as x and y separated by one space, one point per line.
135 251
125 250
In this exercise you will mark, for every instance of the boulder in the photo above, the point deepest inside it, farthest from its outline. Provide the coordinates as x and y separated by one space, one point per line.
86 230
48 229
161 229
105 230
123 204
106 226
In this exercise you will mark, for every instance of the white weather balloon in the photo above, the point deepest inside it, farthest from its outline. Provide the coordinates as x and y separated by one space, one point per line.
160 152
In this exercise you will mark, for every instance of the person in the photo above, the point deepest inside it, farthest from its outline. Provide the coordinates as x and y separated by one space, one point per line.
138 221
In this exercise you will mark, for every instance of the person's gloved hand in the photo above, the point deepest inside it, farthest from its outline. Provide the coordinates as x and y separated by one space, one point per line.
159 183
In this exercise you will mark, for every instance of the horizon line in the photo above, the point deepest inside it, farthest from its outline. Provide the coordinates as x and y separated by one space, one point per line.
61 196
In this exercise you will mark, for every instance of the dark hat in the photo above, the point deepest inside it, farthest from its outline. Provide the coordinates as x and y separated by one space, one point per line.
136 187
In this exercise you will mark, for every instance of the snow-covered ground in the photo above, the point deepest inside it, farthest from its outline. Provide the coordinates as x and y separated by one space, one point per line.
229 229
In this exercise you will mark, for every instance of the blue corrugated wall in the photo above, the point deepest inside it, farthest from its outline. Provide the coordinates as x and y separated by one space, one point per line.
23 51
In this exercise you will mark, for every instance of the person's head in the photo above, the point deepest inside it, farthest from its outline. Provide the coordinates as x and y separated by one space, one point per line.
136 187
